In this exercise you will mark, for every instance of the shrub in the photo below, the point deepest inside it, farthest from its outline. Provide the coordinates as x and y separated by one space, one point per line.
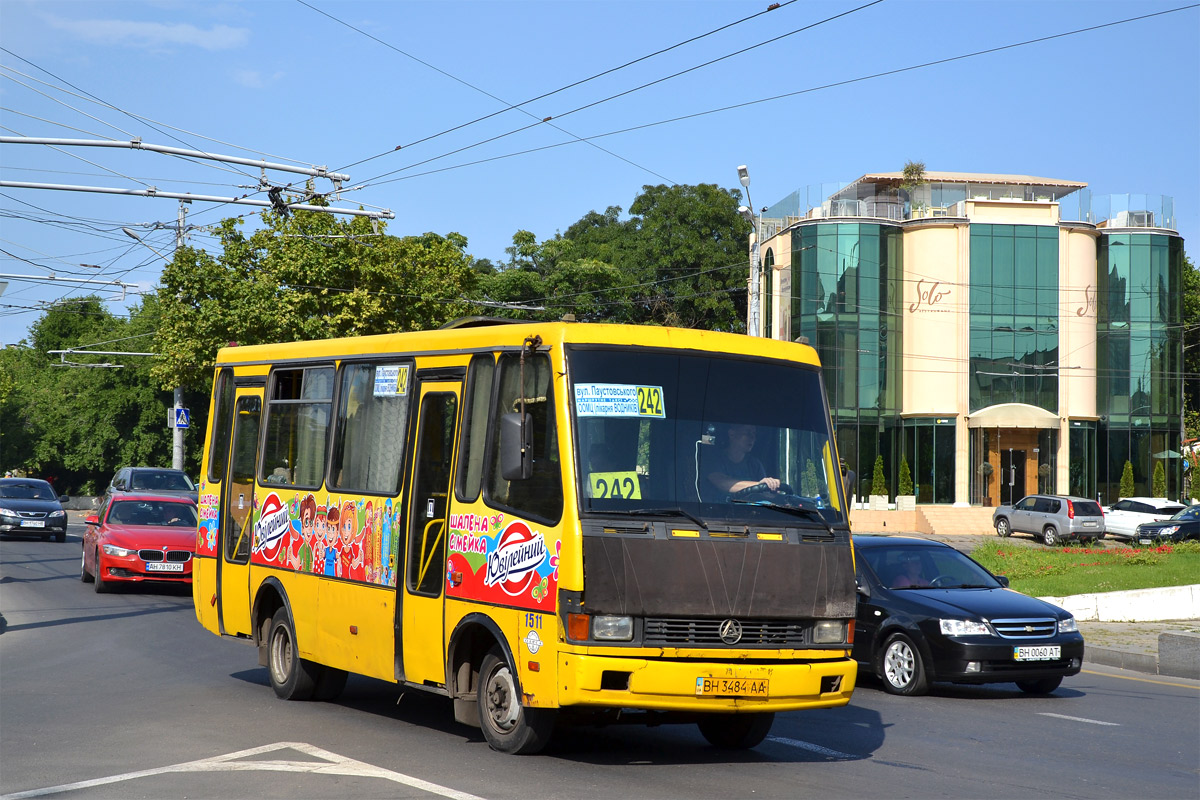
1160 480
906 484
1127 489
878 482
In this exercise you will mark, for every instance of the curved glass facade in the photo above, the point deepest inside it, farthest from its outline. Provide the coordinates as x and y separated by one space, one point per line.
846 296
1139 379
1014 316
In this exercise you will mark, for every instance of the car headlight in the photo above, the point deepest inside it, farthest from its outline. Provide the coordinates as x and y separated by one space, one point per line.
613 629
1164 531
113 550
829 631
58 513
1067 625
964 627
4 512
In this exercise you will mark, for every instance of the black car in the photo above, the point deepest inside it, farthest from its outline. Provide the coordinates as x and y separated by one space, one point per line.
30 507
1184 525
926 613
158 480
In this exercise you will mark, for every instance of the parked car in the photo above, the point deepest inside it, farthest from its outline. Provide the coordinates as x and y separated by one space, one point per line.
928 613
1184 525
30 507
158 480
1052 518
139 537
1123 518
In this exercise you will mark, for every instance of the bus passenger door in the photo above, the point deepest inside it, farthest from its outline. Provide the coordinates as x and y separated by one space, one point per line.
422 622
237 519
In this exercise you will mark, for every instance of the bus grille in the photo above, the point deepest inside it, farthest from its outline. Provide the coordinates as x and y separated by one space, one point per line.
1025 628
694 632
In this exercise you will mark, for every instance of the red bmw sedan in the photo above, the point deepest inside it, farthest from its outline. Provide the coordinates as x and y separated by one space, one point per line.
139 537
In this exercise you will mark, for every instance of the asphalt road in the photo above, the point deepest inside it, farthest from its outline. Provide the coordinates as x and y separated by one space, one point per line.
124 695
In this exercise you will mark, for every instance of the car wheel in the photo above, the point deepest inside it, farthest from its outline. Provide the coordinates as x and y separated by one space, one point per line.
101 586
508 726
736 731
1050 536
84 575
1003 529
900 667
292 677
1040 686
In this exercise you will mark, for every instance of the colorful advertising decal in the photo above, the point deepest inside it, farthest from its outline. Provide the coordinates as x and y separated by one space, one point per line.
209 510
351 538
508 564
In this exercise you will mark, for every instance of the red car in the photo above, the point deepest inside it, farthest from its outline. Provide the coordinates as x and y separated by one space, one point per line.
140 537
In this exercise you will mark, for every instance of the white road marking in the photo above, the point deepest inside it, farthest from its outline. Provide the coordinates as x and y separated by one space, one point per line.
812 748
330 764
1079 719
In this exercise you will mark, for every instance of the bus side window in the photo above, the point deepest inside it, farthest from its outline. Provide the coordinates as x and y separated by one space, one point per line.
540 496
473 439
222 426
297 422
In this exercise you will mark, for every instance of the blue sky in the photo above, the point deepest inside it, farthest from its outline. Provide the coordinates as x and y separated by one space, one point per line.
1118 108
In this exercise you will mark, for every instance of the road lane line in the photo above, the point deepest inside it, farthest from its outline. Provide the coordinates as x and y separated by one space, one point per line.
332 764
813 748
1140 680
1079 719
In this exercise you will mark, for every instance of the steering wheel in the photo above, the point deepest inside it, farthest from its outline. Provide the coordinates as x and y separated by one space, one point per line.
757 488
940 579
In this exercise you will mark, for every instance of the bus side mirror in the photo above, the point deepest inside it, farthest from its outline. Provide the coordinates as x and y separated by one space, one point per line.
516 450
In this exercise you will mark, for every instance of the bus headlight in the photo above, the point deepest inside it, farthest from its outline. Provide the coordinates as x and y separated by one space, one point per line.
829 631
612 629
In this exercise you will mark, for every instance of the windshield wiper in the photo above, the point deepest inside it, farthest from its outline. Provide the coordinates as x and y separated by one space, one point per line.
798 509
655 512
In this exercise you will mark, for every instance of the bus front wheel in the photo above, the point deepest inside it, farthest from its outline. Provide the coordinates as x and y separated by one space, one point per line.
736 731
508 726
292 677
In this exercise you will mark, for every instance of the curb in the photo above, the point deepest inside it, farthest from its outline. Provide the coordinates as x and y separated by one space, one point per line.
1178 656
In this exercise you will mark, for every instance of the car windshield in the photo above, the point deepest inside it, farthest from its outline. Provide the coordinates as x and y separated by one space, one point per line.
686 433
915 567
27 491
161 481
1190 512
153 512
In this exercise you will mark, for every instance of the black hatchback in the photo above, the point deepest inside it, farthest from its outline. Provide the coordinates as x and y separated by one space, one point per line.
926 613
29 507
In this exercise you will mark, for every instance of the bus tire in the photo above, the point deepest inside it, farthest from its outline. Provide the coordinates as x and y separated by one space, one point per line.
508 726
736 731
292 677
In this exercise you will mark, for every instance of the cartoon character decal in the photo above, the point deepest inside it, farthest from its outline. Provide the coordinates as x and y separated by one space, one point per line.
509 564
209 512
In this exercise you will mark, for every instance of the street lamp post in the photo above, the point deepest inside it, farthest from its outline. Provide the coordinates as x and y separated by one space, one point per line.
753 306
176 431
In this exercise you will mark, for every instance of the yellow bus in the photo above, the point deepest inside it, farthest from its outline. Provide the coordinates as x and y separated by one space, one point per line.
538 521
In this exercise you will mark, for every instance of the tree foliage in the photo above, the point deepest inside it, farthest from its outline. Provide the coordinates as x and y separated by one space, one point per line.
680 259
878 481
1127 485
1160 480
906 483
304 276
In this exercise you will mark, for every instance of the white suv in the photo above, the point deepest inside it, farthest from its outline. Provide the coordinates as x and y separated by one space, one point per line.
1122 519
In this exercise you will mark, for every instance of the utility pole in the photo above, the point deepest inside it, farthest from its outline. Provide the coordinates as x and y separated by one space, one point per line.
177 432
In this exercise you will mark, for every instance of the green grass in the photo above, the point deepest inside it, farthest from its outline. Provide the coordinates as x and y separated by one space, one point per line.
1061 571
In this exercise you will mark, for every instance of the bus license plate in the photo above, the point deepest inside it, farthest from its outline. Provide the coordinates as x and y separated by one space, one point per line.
33 523
165 566
731 687
1043 653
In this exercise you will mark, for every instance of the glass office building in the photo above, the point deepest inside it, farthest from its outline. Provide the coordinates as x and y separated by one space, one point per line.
998 334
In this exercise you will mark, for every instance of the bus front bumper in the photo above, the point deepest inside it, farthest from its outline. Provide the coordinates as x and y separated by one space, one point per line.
666 685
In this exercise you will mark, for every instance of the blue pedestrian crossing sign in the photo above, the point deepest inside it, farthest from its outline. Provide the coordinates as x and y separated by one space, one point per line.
179 418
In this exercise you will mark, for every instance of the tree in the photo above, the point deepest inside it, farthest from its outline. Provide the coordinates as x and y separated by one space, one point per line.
1191 347
878 481
906 484
913 177
680 259
1127 486
304 276
1160 480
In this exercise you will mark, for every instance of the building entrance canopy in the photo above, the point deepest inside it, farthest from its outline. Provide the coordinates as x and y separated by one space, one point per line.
1013 415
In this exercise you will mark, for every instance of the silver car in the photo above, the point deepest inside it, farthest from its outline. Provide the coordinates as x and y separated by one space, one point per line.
1053 518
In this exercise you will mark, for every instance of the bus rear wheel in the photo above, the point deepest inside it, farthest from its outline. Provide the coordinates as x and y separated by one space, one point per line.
736 731
292 677
508 726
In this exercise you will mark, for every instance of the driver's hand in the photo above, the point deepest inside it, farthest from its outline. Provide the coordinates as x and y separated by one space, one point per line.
771 483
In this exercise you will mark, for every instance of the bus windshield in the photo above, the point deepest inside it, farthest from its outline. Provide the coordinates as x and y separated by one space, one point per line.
708 436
